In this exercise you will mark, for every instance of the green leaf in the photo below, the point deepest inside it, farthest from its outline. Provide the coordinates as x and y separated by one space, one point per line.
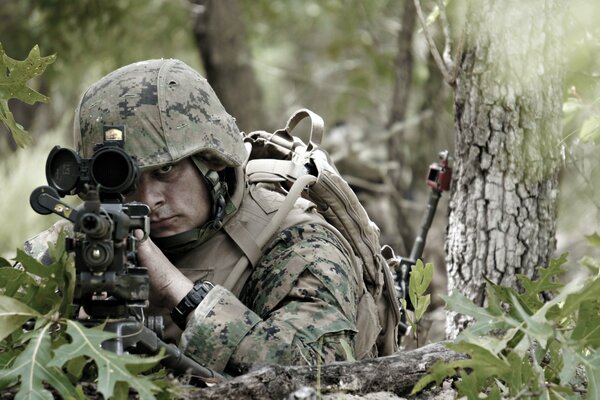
588 293
32 265
438 372
593 240
13 279
570 362
593 264
13 314
547 281
53 288
420 279
593 375
461 304
347 350
536 326
587 327
75 367
482 361
590 130
33 369
4 262
422 306
14 86
112 367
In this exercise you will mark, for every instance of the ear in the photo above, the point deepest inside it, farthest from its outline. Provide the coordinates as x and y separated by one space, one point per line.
215 167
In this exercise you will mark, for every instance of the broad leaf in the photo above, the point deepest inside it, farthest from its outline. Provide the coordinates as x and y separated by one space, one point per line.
536 326
593 376
587 328
112 367
32 369
12 279
13 314
590 130
14 86
33 266
438 372
547 280
461 304
593 240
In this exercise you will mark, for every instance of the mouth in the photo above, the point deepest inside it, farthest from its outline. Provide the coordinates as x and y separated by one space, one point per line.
161 222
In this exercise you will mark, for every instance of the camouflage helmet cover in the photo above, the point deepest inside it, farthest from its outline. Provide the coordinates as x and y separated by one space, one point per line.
169 110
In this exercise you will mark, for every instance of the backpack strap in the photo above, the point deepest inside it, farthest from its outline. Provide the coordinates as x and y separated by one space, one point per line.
271 229
317 126
245 241
271 170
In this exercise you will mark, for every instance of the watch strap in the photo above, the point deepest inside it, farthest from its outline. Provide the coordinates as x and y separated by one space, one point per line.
189 303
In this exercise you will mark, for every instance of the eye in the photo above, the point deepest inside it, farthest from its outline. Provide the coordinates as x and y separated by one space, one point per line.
165 169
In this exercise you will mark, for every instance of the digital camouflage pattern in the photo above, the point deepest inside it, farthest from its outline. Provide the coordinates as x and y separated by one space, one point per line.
169 110
298 307
37 247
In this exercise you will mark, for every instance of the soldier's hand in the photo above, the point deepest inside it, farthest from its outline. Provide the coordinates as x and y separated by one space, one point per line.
167 284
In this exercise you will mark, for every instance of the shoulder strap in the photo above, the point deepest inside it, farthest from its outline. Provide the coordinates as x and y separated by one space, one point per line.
273 226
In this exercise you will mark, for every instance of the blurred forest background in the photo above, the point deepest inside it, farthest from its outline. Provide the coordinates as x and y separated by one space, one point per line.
365 66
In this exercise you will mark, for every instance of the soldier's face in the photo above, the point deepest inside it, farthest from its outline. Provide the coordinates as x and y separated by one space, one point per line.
177 197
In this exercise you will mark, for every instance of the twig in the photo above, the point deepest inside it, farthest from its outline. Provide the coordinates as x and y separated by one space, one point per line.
432 47
447 36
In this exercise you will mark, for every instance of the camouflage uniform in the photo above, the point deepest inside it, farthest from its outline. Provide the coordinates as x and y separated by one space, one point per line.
299 303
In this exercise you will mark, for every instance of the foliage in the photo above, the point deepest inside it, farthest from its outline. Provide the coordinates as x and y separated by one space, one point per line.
420 278
51 349
14 76
522 347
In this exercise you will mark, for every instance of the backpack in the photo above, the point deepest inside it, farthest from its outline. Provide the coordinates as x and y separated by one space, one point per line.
306 170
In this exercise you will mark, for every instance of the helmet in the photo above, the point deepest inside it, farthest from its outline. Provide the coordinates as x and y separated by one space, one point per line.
169 111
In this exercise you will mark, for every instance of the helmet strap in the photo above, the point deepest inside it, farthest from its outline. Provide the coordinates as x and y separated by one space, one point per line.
218 191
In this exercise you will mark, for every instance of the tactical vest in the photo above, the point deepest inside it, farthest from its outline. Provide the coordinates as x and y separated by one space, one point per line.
215 259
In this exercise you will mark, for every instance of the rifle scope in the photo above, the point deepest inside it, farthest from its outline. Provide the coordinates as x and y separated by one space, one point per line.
110 168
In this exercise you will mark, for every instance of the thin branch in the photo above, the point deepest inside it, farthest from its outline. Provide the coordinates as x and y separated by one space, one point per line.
447 35
432 47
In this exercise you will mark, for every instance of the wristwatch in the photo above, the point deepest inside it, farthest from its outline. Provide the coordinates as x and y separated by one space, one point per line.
190 302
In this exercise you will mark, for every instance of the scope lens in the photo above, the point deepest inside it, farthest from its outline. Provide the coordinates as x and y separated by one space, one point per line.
114 170
62 170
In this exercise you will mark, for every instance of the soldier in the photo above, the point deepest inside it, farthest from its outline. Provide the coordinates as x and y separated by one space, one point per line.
297 303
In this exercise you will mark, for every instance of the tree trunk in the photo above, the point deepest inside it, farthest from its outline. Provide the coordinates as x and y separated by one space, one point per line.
221 38
395 374
508 122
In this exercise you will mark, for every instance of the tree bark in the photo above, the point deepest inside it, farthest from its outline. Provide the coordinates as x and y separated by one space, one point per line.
221 38
395 374
508 130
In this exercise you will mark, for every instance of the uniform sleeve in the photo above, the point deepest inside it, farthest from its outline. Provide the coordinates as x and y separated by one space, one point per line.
298 307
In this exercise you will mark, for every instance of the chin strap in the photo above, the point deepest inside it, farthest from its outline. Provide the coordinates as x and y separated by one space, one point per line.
217 189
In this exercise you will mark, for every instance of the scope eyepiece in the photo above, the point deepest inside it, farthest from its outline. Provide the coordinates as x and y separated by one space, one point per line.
110 168
113 170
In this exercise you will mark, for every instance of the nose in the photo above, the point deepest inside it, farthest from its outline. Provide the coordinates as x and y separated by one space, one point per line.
149 193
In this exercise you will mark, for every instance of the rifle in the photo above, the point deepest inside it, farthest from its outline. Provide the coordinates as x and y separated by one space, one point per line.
111 287
438 179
